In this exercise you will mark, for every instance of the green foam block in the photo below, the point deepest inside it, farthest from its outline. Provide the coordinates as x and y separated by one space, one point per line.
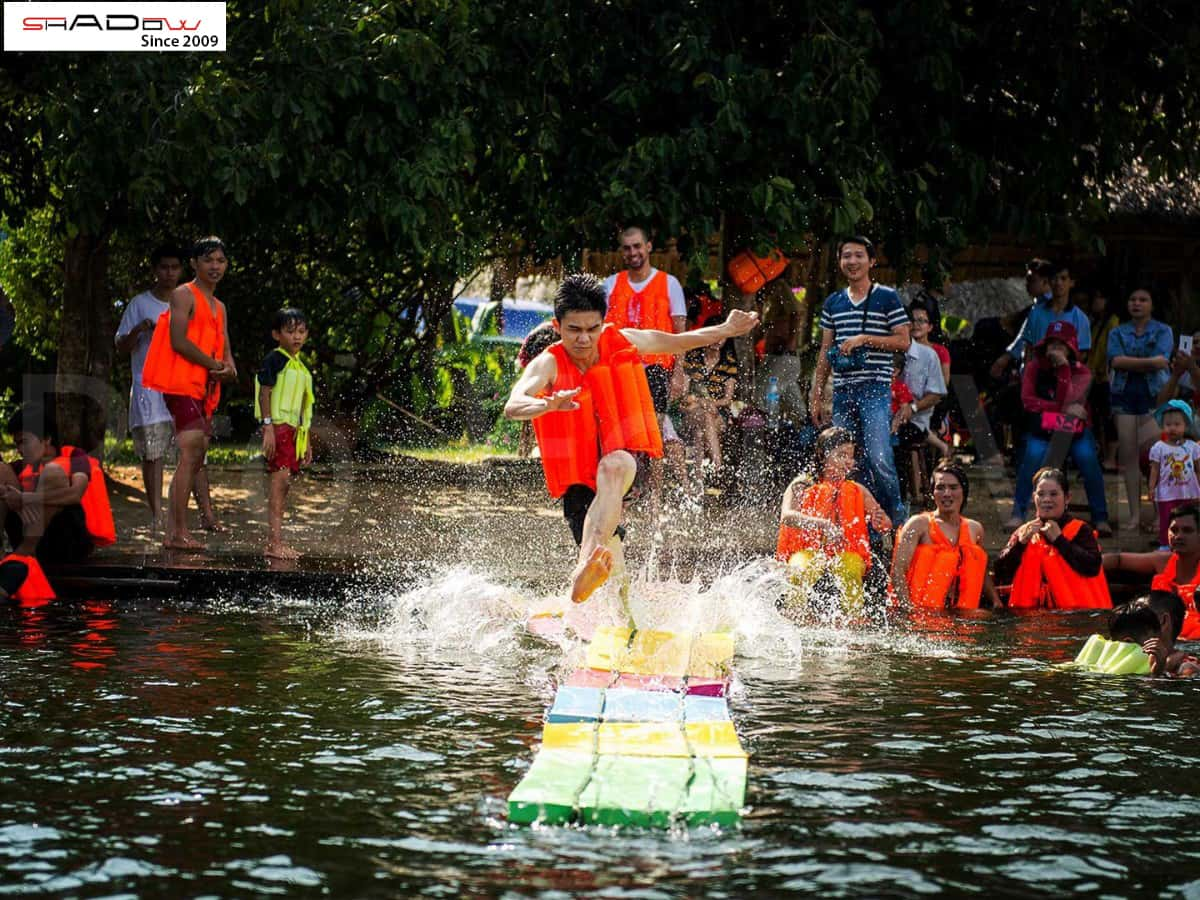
716 793
635 790
549 789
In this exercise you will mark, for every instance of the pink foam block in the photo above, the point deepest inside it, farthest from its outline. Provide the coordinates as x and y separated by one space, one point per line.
603 678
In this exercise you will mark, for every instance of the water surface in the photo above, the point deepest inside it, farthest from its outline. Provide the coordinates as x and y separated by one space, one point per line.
274 746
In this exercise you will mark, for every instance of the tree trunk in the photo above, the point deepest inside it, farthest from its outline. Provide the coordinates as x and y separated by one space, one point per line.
85 350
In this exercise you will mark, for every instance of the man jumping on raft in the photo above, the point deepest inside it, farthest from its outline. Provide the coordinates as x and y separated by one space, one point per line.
590 404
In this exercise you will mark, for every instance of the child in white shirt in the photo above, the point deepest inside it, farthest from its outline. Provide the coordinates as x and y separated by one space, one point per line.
1173 460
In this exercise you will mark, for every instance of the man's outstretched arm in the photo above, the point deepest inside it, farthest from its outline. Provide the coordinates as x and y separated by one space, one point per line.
739 322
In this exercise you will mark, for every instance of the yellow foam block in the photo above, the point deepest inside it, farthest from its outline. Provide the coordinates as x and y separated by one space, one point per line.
579 737
711 656
714 739
608 648
708 739
658 653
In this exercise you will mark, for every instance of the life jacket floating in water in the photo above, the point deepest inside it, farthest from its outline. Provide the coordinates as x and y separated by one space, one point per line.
841 504
97 510
1045 580
649 308
750 273
1107 657
615 412
1166 581
169 372
944 575
35 590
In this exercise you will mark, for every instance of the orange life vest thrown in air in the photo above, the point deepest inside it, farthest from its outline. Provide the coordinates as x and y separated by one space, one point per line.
1045 580
97 511
943 575
841 504
35 590
1165 581
168 372
750 272
615 413
648 308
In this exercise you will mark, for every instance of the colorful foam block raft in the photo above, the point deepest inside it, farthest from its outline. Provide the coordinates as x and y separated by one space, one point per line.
641 736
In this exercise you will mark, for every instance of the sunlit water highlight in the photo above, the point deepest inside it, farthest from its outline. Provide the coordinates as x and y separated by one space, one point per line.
277 746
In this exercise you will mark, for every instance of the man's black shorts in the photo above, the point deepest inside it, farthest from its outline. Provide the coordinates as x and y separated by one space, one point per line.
576 502
660 387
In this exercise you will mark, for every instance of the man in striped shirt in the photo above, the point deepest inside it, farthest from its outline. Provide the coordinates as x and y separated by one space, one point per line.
870 319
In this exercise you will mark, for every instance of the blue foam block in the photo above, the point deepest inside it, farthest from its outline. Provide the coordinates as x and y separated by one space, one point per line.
576 704
705 709
629 705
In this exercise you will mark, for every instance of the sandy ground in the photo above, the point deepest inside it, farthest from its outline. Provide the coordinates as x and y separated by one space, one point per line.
495 514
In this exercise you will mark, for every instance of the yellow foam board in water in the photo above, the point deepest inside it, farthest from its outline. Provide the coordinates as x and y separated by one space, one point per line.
714 739
658 653
707 739
711 655
608 648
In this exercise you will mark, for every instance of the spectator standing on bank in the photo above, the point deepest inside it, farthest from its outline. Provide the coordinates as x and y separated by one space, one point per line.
149 418
1139 353
641 297
1185 375
862 325
1104 319
1038 275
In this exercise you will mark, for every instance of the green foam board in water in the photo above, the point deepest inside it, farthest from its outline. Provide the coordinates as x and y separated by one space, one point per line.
550 789
1111 657
716 793
635 790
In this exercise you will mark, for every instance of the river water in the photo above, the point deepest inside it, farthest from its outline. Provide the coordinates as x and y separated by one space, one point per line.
277 746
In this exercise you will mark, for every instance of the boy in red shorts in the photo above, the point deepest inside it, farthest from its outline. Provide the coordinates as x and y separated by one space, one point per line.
283 403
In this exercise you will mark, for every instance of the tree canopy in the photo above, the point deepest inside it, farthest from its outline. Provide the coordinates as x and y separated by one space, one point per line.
362 158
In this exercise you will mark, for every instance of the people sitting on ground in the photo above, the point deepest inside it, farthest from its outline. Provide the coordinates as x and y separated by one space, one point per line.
1053 561
1138 355
823 527
283 404
1173 460
55 503
925 326
1054 390
1153 622
940 563
1175 569
712 378
1184 375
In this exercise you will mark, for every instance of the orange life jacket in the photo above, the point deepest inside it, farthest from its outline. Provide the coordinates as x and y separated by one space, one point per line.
841 504
615 413
1044 579
749 272
169 372
939 566
35 590
1165 581
97 511
648 308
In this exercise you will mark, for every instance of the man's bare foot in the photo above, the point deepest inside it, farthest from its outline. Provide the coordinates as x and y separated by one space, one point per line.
593 573
281 551
182 542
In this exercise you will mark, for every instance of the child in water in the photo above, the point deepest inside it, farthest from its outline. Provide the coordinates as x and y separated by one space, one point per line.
1154 622
823 527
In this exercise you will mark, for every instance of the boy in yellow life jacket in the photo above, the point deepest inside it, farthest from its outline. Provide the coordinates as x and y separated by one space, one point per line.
283 403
